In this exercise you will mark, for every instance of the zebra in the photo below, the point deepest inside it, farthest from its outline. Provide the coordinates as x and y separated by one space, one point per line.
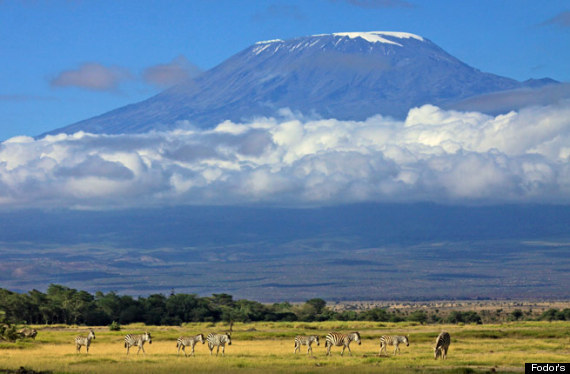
387 340
185 341
137 340
442 343
217 340
338 339
86 341
306 340
28 333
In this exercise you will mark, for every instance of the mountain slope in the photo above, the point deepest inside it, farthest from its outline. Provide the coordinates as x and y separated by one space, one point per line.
349 76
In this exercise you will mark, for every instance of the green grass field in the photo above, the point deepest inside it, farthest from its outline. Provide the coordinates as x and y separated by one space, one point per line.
268 347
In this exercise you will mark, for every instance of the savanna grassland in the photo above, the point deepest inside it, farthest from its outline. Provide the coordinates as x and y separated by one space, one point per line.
268 347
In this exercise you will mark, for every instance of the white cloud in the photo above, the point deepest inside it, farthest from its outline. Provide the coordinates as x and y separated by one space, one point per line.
434 155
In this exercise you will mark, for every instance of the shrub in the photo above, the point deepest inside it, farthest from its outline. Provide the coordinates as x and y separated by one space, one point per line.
515 315
115 326
463 317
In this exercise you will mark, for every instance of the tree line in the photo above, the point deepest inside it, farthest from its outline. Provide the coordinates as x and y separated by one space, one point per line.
64 305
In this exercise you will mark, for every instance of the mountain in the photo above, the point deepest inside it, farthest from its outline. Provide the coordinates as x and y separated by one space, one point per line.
348 76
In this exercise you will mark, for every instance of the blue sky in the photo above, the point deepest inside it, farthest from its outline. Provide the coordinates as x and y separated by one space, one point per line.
64 61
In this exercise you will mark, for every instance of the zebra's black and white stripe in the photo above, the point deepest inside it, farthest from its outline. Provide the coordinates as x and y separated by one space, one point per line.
189 341
395 340
84 340
338 339
306 340
138 341
28 333
441 345
217 340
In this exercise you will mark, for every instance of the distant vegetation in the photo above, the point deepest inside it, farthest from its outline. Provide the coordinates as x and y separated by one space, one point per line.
63 305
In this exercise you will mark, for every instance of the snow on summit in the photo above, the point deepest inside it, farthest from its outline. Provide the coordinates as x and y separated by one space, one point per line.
270 41
377 36
304 42
370 36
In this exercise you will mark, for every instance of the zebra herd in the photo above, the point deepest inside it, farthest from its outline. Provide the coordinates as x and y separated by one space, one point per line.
333 339
337 339
214 340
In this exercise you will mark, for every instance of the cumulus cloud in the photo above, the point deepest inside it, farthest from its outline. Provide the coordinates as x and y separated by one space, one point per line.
92 76
166 75
435 155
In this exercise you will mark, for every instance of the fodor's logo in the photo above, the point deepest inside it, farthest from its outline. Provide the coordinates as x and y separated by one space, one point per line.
546 368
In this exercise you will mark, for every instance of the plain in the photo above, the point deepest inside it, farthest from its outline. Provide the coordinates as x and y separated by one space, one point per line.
268 347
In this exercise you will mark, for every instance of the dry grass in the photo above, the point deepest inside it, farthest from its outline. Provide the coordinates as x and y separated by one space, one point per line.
268 347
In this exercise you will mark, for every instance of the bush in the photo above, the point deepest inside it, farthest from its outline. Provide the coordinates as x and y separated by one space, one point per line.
463 317
115 326
9 333
556 315
515 315
418 316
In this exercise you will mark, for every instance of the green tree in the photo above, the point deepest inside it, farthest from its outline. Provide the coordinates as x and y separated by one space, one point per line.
182 307
418 316
318 304
375 314
222 299
109 304
155 309
554 314
516 315
463 317
40 300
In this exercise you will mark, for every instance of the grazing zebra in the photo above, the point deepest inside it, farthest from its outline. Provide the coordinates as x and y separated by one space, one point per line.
338 339
28 333
441 345
217 340
306 340
137 340
392 340
191 341
86 341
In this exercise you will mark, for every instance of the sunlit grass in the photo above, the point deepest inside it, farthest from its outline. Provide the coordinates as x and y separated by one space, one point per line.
263 347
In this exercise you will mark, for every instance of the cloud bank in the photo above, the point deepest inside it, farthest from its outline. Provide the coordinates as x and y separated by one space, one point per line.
434 155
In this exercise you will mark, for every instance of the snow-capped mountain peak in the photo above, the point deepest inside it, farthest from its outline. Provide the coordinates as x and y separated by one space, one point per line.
347 75
379 36
340 40
270 41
